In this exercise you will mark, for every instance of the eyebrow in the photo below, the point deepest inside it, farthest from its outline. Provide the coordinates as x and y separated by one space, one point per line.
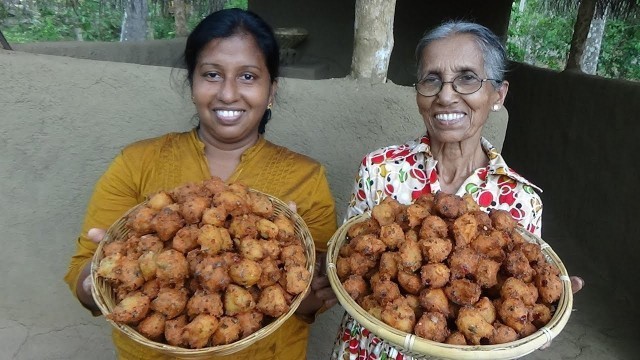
218 65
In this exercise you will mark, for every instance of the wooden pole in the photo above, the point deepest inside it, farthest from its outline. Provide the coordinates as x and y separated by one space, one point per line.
580 32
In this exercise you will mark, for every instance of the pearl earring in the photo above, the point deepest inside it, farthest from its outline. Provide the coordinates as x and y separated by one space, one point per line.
495 107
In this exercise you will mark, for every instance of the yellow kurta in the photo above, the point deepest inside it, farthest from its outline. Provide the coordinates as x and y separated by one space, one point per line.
165 162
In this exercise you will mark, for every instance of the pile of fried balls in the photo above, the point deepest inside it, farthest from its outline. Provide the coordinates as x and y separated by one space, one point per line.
446 271
204 264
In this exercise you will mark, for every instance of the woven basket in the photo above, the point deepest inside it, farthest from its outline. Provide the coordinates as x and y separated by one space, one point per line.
104 295
421 348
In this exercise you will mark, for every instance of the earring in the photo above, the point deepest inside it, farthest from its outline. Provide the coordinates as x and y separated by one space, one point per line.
269 106
495 107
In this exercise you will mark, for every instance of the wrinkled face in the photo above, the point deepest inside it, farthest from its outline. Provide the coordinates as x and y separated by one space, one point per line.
231 89
451 117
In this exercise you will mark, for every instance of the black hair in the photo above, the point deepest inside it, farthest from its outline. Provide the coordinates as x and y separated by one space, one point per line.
226 23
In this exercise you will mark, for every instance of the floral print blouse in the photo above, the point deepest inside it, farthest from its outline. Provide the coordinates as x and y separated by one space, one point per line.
406 171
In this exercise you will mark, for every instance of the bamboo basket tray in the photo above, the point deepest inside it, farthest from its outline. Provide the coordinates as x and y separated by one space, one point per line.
421 348
104 295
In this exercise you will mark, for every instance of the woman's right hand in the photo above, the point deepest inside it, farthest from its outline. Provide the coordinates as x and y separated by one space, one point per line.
85 282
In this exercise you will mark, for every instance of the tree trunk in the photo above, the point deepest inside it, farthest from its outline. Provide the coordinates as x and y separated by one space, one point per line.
593 44
373 39
134 21
180 17
580 32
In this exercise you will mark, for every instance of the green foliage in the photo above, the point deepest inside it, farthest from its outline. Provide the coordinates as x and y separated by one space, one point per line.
541 36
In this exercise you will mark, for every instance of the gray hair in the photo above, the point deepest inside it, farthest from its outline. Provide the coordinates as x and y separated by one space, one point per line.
493 51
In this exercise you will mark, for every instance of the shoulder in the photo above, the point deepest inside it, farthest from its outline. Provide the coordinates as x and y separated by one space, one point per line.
396 153
288 155
157 143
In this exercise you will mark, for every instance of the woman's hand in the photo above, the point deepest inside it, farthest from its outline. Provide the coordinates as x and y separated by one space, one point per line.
321 294
576 284
83 288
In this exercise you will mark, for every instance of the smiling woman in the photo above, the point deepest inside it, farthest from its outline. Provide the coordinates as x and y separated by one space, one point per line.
232 60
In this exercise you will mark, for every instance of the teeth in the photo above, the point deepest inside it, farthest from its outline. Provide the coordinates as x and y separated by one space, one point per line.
449 117
228 113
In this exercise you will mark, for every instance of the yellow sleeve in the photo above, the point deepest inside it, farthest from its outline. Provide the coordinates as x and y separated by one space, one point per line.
114 194
319 212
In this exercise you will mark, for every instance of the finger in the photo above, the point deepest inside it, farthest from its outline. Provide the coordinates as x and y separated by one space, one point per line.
95 234
330 303
86 284
292 205
576 284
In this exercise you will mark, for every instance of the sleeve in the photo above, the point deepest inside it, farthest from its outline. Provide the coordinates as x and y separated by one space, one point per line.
320 215
363 195
114 194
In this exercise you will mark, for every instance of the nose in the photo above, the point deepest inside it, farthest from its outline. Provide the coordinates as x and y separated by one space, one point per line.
228 91
447 94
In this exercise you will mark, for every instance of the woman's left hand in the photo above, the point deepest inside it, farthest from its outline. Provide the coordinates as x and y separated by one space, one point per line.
321 294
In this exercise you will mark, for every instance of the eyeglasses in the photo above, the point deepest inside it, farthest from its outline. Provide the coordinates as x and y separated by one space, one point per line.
464 84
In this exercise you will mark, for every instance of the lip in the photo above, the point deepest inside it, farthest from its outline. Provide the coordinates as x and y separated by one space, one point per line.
228 115
449 117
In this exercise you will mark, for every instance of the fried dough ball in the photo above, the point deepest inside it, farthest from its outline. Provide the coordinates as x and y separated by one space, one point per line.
356 287
518 289
213 239
249 322
368 245
297 279
114 247
245 272
181 193
196 334
159 200
205 303
270 274
151 288
465 230
502 220
167 222
532 252
131 309
260 204
170 302
186 239
215 215
463 263
415 214
214 185
368 226
238 300
517 238
293 255
244 226
548 283
213 274
410 282
234 203
385 291
360 264
410 256
487 273
514 313
392 235
472 324
449 205
173 330
427 201
472 205
435 300
171 267
483 219
433 227
399 315
489 247
152 327
487 309
271 248
343 267
228 331
383 213
286 229
436 250
388 264
372 306
272 301
540 315
456 338
193 208
110 267
502 334
130 276
414 302
463 292
517 265
432 326
267 229
435 275
140 221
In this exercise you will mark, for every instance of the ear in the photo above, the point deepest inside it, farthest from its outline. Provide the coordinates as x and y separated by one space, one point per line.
272 91
502 93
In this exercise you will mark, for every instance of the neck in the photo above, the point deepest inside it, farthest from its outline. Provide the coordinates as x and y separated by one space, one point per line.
222 157
457 161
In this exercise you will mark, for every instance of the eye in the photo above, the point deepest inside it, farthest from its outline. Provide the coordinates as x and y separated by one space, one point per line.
211 76
430 80
247 77
467 77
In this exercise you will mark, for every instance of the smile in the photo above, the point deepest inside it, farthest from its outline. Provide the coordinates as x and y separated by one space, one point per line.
449 117
228 114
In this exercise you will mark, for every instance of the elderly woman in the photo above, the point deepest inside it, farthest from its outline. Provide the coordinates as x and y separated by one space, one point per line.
460 81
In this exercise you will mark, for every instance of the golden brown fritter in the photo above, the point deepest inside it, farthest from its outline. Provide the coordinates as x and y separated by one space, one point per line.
368 226
449 205
409 282
140 221
260 204
472 324
465 230
514 313
234 203
186 239
173 330
435 250
415 214
167 222
228 331
159 200
270 274
213 239
249 322
456 338
245 272
502 334
392 235
215 215
272 301
133 308
238 300
548 283
540 315
293 255
171 267
433 227
385 291
384 214
463 263
463 292
517 265
197 333
152 327
193 207
488 246
435 275
502 220
435 300
518 289
388 264
410 256
297 279
356 287
170 302
432 326
399 315
486 273
205 303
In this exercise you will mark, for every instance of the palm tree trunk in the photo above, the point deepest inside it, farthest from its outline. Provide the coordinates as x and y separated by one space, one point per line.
580 32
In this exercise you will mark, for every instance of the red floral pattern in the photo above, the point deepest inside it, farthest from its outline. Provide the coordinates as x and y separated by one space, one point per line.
407 171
